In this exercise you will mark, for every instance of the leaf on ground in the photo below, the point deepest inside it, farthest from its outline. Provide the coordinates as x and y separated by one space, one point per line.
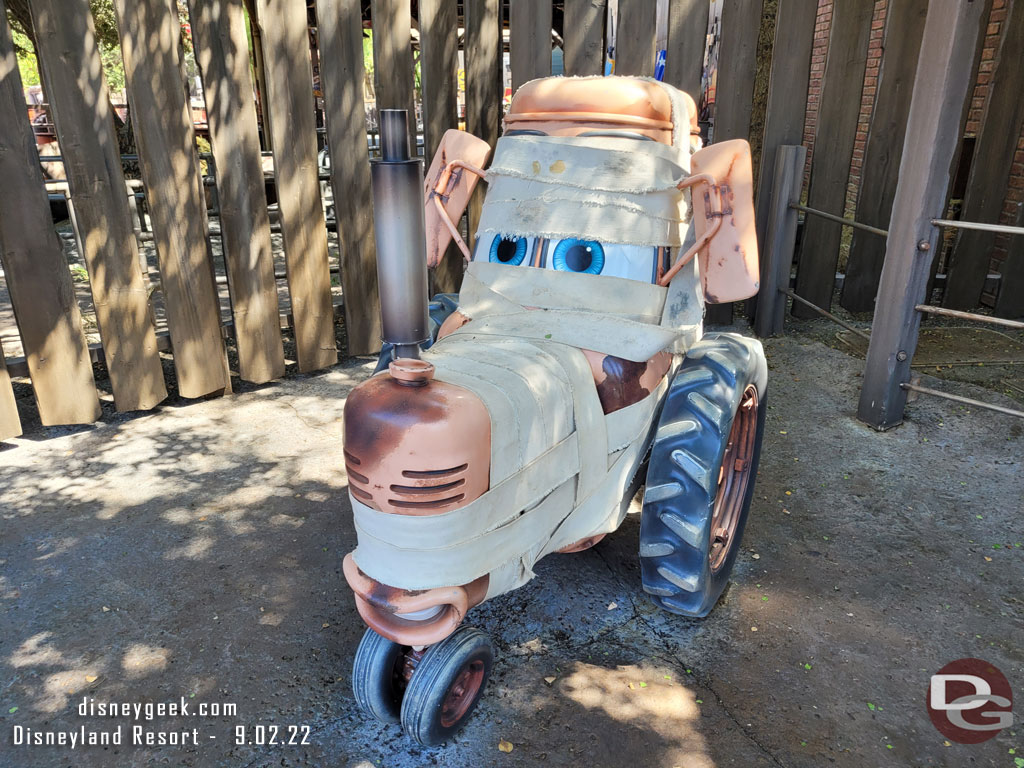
325 625
643 685
871 706
505 746
1018 762
631 687
12 710
91 678
947 744
550 680
807 666
612 606
700 701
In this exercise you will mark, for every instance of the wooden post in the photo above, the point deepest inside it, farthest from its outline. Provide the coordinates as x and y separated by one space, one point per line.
293 126
10 424
439 65
80 108
484 87
777 255
222 52
35 269
994 154
392 58
904 26
687 40
529 40
940 86
634 38
162 121
583 37
830 168
1010 302
341 44
734 94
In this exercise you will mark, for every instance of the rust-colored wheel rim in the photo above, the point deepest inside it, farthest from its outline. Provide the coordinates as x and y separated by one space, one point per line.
462 693
734 479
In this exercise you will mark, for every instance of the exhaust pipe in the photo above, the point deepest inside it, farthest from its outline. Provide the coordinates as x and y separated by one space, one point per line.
401 238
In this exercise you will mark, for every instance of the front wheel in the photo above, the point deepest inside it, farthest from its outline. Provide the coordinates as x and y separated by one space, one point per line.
700 478
446 686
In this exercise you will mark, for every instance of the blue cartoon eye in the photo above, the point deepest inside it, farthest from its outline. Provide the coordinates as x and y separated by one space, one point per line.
508 250
586 256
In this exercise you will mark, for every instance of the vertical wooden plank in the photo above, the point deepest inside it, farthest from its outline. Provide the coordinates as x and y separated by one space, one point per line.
341 44
162 121
787 93
734 93
787 183
634 39
1010 302
392 58
583 37
830 169
35 270
439 65
737 65
687 40
222 52
484 87
932 132
80 108
292 124
904 27
529 40
990 170
10 424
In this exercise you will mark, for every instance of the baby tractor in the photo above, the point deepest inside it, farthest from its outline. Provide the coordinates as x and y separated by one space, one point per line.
516 419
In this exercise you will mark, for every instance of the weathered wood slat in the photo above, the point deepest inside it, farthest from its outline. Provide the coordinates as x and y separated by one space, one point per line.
483 83
162 121
341 44
839 110
787 94
80 108
392 58
293 127
35 269
10 424
634 38
222 52
734 94
990 170
904 26
439 63
932 132
584 36
529 40
687 39
1010 302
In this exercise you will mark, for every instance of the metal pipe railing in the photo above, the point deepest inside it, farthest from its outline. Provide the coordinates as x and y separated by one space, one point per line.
1000 228
839 219
958 399
826 313
969 316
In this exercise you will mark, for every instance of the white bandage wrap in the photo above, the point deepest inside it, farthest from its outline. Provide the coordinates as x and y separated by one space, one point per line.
613 190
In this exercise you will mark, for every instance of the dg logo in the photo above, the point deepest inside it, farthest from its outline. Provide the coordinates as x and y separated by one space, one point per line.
970 701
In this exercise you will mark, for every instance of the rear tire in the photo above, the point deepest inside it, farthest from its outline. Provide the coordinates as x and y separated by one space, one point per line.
700 478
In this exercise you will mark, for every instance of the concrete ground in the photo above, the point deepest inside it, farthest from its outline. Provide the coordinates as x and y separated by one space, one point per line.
195 552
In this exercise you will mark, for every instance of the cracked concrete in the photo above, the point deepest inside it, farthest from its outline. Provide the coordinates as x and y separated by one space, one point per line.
195 552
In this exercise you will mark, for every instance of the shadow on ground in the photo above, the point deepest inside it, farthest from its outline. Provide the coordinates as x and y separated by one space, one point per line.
195 552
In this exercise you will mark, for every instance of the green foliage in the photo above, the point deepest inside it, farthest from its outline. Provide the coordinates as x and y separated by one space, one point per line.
27 63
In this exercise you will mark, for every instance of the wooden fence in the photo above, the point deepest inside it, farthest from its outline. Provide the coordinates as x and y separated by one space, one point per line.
36 271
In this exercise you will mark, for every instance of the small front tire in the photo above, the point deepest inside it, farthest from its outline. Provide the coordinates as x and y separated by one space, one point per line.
446 686
377 681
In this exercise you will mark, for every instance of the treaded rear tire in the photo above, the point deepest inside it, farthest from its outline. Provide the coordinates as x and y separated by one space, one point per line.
685 467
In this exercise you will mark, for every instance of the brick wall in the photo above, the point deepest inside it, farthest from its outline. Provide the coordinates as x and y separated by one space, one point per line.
822 30
867 102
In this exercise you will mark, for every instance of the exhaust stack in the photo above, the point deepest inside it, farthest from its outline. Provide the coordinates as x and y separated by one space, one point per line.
400 236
